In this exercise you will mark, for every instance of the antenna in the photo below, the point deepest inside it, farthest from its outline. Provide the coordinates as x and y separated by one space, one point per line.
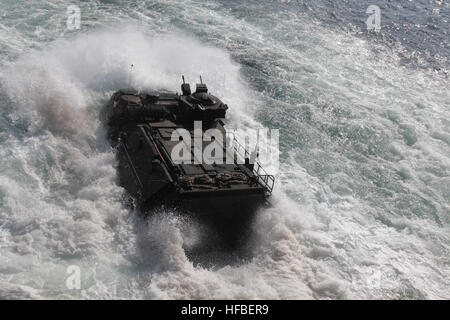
201 81
130 76
182 77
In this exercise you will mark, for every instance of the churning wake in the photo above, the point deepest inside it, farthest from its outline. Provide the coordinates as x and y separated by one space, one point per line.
361 206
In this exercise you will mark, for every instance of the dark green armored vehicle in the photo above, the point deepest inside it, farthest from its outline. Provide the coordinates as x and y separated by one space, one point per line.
161 139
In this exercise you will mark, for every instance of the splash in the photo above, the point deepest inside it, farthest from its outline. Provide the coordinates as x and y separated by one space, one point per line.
325 237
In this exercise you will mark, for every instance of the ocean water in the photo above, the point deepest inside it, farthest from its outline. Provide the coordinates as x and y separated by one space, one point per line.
361 207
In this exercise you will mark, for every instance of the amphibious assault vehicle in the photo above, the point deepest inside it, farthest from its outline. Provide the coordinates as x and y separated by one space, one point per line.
161 160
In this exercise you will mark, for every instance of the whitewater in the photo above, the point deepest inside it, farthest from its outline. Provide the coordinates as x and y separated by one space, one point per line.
361 207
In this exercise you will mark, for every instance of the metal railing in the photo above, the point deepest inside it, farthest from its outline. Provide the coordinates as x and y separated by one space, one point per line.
266 180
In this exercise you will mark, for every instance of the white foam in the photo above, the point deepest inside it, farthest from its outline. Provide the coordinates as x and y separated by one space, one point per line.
61 204
66 209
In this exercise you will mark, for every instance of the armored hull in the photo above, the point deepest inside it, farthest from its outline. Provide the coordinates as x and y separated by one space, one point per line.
161 139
